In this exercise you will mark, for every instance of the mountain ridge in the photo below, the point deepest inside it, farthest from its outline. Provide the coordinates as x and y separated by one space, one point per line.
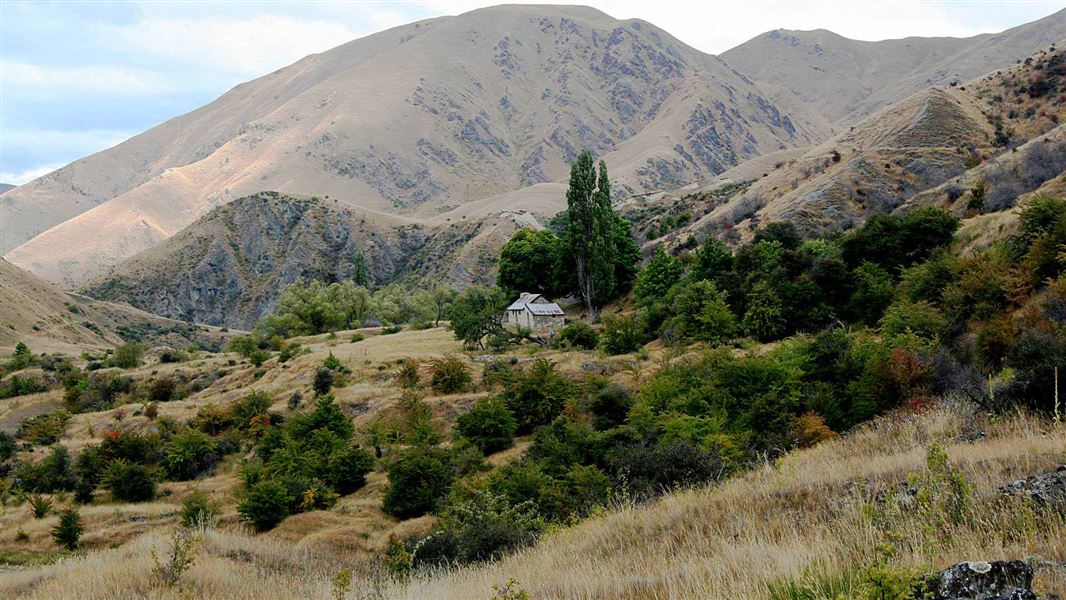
519 94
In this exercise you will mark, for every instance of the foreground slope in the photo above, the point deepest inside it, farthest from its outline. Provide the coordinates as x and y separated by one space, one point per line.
804 520
413 120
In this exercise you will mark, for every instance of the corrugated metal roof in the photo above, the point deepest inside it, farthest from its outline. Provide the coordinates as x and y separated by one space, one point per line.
547 308
528 300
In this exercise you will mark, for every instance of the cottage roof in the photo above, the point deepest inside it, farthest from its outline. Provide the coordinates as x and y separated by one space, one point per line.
536 304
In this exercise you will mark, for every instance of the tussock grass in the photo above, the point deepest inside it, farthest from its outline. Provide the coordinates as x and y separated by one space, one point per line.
802 523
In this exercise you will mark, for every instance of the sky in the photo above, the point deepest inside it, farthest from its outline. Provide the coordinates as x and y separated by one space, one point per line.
79 77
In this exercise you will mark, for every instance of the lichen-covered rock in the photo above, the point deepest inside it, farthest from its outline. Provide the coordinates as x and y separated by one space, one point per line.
999 580
1043 488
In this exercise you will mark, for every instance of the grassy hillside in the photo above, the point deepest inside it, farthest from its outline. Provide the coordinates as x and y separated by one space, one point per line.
806 523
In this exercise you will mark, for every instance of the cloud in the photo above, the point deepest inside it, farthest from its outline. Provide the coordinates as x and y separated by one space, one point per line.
93 79
21 177
249 47
715 26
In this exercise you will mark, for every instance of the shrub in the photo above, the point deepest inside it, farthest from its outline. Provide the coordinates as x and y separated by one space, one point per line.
172 356
182 556
652 471
537 396
526 481
323 382
483 527
489 425
449 375
197 510
40 506
22 358
407 374
213 420
265 505
18 385
919 318
8 446
44 430
661 273
127 356
188 454
418 480
130 482
52 474
765 318
95 393
348 469
69 529
701 313
621 335
162 389
247 409
610 406
579 335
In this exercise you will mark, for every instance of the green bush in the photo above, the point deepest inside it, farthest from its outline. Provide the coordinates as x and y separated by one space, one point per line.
621 335
610 406
418 480
54 473
535 397
246 410
69 529
481 527
652 471
44 430
127 356
18 385
407 374
40 505
449 375
489 425
265 505
323 382
197 509
920 318
579 335
188 454
348 469
701 313
96 392
130 482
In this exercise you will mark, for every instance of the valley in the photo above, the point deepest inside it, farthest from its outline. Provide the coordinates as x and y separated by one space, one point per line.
570 310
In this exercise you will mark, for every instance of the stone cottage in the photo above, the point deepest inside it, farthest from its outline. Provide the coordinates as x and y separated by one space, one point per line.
534 311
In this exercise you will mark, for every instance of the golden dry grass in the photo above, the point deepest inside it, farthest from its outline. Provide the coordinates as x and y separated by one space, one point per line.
800 517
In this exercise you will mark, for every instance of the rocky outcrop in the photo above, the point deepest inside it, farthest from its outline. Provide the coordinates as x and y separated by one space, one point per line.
1000 580
229 267
1043 488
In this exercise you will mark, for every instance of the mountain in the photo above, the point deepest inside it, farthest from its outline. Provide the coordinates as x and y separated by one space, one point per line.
845 80
1001 132
413 121
6 186
229 267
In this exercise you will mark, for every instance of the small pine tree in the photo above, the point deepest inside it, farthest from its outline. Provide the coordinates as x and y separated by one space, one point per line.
69 529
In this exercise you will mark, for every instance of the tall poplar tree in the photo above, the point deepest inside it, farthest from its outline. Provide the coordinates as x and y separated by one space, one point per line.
588 201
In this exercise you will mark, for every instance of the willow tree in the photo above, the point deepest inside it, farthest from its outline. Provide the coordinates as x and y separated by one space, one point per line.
591 221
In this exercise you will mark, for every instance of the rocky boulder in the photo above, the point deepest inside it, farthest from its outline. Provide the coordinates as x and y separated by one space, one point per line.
1047 488
1000 580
